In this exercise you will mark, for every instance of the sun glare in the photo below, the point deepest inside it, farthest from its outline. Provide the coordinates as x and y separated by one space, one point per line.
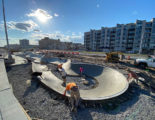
41 15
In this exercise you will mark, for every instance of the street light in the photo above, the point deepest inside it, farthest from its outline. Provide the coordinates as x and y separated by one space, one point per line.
6 33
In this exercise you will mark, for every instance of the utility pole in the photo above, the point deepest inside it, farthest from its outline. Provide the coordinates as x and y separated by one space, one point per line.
5 27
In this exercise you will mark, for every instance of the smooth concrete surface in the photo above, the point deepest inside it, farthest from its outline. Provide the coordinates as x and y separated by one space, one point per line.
36 67
33 57
18 60
111 82
10 109
4 83
54 83
39 58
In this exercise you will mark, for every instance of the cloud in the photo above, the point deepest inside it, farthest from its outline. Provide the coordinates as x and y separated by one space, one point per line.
37 30
56 15
135 12
25 26
58 35
12 40
40 14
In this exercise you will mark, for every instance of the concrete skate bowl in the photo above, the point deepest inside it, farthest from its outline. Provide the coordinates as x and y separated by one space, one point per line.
111 83
52 60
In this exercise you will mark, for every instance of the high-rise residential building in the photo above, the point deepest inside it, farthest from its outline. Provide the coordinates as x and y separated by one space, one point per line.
24 43
138 37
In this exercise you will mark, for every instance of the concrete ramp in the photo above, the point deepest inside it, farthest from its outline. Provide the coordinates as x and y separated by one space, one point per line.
36 67
18 60
50 80
10 109
111 83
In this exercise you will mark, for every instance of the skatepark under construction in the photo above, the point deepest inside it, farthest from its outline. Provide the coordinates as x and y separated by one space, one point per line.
111 83
41 102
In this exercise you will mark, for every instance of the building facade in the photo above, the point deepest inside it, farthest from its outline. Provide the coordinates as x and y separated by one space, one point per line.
56 44
24 43
138 37
48 43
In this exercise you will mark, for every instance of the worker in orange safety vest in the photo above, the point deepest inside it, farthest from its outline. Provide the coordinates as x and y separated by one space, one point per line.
74 95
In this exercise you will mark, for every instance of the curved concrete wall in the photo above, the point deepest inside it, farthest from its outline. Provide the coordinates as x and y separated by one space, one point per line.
36 67
111 82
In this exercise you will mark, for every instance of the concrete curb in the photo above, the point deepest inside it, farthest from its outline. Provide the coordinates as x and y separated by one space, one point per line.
10 108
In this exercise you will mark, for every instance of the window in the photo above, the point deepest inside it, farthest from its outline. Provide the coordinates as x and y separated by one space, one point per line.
150 59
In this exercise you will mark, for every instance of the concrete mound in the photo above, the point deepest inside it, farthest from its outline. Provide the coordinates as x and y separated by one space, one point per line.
111 83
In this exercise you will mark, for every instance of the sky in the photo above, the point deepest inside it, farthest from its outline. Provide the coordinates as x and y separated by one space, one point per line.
67 20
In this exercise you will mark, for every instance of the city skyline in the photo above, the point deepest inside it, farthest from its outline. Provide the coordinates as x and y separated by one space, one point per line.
67 21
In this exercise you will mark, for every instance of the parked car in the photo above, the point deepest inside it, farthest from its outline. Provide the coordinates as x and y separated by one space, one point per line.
143 63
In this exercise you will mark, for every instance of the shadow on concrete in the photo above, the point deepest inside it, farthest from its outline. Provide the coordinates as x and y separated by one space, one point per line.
92 70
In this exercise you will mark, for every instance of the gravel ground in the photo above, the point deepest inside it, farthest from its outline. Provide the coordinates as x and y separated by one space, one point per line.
46 104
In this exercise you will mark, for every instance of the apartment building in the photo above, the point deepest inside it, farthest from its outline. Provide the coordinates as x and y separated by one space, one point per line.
56 44
138 37
24 43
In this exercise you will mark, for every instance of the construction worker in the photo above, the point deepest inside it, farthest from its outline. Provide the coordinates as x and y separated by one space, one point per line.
75 95
81 71
132 75
59 67
63 74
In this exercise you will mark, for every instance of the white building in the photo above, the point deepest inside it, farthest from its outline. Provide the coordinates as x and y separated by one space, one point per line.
24 43
133 38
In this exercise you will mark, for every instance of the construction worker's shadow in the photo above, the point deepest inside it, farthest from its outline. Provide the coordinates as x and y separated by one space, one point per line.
34 85
82 113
